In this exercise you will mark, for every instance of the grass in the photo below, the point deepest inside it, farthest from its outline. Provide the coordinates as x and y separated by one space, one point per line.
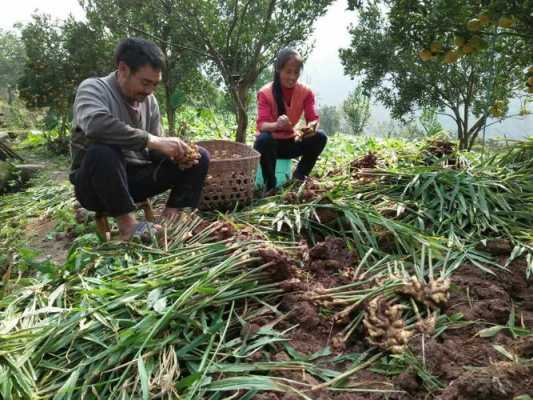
155 308
169 320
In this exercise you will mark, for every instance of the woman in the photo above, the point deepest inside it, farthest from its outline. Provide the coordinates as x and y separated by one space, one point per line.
280 105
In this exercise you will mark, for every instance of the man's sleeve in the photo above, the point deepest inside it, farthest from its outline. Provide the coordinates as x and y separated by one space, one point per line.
154 126
93 116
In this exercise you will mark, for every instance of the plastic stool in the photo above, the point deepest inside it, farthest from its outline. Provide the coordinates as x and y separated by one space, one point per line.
283 173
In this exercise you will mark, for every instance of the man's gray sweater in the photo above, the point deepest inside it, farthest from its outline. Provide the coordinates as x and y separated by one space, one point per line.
100 115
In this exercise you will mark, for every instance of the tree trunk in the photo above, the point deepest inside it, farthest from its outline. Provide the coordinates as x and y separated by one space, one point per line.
167 84
171 117
242 125
10 96
5 175
475 130
171 112
467 135
463 137
462 130
240 100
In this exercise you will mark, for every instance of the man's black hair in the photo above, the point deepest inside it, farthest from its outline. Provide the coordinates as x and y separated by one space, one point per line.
137 52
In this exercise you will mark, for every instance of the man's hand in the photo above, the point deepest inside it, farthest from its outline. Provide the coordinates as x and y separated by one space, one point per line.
283 122
172 147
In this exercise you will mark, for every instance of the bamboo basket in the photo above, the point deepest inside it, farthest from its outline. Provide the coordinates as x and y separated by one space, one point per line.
231 175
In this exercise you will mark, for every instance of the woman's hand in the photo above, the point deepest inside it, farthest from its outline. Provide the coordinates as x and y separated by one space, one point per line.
283 122
310 128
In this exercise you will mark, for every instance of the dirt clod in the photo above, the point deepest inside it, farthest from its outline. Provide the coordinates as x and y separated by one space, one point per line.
497 247
281 266
501 381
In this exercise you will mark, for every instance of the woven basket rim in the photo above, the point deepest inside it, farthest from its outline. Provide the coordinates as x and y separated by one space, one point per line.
252 153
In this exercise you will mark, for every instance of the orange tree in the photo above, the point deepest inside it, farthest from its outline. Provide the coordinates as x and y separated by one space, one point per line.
182 79
229 42
58 57
241 39
466 58
11 61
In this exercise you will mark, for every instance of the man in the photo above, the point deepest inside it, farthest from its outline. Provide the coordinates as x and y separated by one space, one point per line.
118 155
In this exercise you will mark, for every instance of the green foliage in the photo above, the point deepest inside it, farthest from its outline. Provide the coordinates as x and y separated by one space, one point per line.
242 38
16 116
183 78
205 44
121 320
155 323
430 122
330 119
356 109
44 82
385 50
199 123
11 62
480 18
59 57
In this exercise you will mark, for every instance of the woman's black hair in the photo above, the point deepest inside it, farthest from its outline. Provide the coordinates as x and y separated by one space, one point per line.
284 55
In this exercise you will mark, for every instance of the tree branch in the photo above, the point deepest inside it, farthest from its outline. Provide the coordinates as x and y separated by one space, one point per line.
500 120
448 115
233 24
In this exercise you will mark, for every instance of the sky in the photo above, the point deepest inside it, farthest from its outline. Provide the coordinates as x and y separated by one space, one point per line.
323 70
21 10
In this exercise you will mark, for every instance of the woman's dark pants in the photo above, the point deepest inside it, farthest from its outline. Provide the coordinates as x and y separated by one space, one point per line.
271 149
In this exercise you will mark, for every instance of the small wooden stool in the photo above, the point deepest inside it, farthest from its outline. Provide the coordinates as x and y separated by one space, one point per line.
102 224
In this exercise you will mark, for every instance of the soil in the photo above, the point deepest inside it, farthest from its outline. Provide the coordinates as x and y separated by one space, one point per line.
54 248
329 258
311 190
468 366
366 162
481 296
440 148
497 247
360 169
499 381
326 215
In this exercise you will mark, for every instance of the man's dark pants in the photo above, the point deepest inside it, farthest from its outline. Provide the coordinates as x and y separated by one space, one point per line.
271 149
106 183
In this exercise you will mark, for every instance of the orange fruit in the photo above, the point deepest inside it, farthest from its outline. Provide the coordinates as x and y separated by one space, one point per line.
475 42
484 19
425 55
459 41
451 57
505 22
468 48
436 47
474 25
